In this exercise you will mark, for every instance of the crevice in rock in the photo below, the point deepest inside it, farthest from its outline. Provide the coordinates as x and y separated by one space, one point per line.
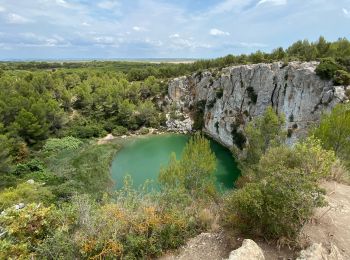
274 90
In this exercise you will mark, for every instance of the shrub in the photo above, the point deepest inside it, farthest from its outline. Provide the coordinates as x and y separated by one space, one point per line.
25 230
144 131
29 167
119 130
334 131
327 68
342 77
275 207
25 193
55 145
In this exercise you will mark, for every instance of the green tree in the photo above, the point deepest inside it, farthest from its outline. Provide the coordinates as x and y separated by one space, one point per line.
126 111
5 157
195 170
334 131
29 127
147 114
322 47
261 133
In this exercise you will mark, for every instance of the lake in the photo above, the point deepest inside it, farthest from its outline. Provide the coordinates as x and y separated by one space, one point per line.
142 158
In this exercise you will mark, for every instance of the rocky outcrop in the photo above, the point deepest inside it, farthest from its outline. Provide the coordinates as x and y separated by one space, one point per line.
232 97
182 123
248 250
319 252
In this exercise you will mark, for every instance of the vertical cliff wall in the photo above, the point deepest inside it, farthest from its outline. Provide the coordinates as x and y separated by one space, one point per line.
232 97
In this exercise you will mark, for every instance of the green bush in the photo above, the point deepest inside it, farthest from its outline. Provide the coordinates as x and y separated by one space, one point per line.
144 131
24 230
282 191
87 131
119 130
25 193
29 167
55 145
342 78
334 131
327 68
275 207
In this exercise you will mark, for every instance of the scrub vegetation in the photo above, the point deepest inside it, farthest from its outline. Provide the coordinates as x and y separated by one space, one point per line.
58 200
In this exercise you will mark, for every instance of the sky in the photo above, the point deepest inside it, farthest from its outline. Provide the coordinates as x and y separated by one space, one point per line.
133 29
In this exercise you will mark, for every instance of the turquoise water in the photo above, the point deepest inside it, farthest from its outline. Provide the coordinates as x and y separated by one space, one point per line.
142 157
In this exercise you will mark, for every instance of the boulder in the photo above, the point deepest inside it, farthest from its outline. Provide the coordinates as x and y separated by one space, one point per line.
30 181
249 250
19 206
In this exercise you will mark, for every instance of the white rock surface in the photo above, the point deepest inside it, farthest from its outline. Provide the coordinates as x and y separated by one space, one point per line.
249 250
31 181
293 90
319 252
19 206
177 125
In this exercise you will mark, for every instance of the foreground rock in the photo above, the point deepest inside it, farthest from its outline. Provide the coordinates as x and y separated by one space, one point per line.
232 97
319 252
248 250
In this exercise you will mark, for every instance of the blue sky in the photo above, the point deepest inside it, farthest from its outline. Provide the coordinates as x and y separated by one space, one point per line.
107 29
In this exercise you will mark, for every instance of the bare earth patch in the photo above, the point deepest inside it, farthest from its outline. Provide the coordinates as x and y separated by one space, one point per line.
207 246
331 224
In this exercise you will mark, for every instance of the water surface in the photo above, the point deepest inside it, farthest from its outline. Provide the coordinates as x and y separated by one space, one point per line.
142 158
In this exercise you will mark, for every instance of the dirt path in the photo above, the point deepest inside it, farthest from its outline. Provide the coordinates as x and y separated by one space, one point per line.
209 246
332 223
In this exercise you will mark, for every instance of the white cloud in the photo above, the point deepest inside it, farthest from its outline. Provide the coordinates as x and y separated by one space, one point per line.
175 35
217 32
85 24
346 12
109 4
273 2
16 19
138 29
2 9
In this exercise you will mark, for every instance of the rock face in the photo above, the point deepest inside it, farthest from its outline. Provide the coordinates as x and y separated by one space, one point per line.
233 96
181 125
318 252
249 250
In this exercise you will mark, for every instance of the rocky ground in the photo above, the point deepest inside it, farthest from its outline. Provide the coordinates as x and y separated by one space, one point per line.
328 234
331 225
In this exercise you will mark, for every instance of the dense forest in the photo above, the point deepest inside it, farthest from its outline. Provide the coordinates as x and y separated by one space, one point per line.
56 194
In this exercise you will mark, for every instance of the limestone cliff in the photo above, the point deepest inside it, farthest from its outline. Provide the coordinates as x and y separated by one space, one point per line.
235 95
